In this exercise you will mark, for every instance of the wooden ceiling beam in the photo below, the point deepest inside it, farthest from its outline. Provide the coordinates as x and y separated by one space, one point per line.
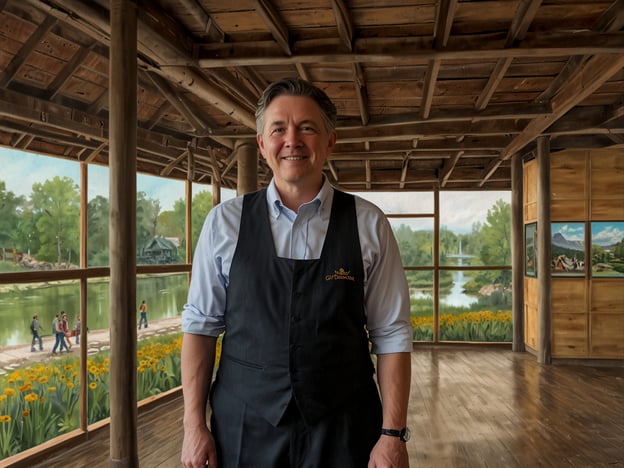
445 13
589 78
343 23
271 18
408 50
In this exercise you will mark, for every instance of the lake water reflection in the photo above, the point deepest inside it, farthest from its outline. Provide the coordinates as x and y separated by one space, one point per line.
164 294
453 297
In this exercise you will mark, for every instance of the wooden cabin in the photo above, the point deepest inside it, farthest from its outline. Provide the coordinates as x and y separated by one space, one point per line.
432 96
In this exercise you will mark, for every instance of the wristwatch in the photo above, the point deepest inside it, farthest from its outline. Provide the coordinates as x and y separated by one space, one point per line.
403 434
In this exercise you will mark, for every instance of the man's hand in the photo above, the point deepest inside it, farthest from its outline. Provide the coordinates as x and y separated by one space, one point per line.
198 448
389 452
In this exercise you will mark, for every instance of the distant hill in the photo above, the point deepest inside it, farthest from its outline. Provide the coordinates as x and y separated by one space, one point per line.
559 240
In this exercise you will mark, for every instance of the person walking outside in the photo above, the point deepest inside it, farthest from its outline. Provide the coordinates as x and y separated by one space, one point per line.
77 330
301 277
143 312
66 332
35 326
59 332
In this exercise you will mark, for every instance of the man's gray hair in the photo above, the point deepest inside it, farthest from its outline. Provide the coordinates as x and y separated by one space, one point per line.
296 87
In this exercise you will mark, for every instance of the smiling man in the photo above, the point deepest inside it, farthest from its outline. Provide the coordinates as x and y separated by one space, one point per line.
306 281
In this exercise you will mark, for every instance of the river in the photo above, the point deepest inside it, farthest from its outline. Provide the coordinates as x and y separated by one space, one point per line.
164 294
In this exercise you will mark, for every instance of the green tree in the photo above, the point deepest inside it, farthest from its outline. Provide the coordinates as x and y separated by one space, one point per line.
496 235
202 204
148 210
56 205
9 216
97 229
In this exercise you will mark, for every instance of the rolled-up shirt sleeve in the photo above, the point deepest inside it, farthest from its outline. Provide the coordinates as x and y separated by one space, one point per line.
204 312
386 291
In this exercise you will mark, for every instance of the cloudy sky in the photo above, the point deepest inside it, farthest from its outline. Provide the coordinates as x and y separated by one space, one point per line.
459 210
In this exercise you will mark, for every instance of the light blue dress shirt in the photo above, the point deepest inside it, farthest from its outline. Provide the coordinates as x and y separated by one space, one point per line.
301 236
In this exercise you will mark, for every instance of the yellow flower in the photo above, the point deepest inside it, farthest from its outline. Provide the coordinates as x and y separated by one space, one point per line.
93 385
70 385
51 389
25 413
5 418
9 391
43 379
3 397
31 397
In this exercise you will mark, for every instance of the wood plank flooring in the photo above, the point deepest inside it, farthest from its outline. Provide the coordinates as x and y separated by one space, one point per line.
469 407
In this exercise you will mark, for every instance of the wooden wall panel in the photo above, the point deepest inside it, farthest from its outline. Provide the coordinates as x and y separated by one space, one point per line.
530 312
587 314
607 332
569 295
607 210
607 185
570 338
529 192
568 210
607 296
568 179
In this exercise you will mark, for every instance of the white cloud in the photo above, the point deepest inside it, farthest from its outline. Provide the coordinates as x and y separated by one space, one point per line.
458 210
607 233
575 232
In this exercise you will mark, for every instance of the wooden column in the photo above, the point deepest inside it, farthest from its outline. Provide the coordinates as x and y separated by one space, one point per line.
436 265
216 192
122 234
543 251
84 215
517 254
189 222
247 178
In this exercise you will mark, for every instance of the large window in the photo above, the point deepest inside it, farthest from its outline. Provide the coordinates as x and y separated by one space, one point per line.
41 274
464 292
475 267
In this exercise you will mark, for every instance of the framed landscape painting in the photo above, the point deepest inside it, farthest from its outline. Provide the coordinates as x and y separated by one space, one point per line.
530 253
568 249
607 249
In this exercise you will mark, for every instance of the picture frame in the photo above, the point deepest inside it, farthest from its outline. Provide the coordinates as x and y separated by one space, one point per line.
607 249
530 250
568 249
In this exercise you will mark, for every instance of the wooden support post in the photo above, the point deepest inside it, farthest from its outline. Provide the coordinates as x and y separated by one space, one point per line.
122 234
517 254
189 222
84 215
543 252
216 192
247 154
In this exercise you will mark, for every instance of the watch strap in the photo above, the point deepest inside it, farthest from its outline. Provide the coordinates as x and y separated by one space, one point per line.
400 433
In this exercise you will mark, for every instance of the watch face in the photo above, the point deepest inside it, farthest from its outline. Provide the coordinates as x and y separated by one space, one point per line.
406 435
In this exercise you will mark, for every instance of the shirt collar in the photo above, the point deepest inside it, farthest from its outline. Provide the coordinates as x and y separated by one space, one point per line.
322 200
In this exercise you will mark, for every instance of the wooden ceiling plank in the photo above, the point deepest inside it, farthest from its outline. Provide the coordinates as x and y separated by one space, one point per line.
28 48
68 70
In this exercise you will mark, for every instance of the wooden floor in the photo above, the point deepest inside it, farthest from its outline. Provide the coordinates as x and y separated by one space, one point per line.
468 408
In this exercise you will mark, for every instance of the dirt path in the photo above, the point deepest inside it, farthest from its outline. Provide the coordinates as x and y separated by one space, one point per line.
12 357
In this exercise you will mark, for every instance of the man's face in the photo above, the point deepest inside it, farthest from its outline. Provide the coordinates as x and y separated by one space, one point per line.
294 142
